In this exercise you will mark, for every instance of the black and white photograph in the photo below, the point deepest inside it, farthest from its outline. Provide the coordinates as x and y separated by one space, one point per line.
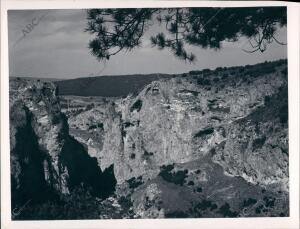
149 113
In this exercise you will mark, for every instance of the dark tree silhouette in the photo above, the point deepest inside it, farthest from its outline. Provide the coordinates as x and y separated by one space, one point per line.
122 29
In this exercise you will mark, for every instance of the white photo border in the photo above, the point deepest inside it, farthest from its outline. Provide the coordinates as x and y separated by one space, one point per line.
291 222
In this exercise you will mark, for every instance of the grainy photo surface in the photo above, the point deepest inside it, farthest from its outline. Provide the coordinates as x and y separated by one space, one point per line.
148 113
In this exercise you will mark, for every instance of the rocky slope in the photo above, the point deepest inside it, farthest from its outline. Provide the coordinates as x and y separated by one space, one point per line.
45 160
179 120
236 117
202 144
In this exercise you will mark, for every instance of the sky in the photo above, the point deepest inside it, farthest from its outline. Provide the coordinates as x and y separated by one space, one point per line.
56 46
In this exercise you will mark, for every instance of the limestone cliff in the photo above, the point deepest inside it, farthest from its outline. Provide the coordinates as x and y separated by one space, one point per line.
201 144
45 159
239 115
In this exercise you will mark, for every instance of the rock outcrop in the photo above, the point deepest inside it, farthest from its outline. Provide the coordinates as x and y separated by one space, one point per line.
238 117
45 159
202 144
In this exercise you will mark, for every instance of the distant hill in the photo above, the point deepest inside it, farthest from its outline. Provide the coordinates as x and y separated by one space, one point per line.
107 86
36 78
122 85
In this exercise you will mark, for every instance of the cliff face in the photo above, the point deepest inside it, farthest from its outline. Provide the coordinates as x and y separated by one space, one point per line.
45 159
203 144
238 119
215 142
36 125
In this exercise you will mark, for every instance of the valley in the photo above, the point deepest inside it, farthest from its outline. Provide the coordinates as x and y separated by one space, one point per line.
209 143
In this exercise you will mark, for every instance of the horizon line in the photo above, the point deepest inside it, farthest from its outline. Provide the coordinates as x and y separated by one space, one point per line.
141 74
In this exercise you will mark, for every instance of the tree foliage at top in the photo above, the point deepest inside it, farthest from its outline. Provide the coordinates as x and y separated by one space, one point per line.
123 29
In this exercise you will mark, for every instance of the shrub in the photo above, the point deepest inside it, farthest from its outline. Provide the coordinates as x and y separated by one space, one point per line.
206 70
284 114
198 171
259 142
259 209
125 202
94 126
168 167
249 202
101 126
128 124
184 75
195 72
146 153
269 201
204 205
191 183
123 132
225 76
172 177
203 82
241 70
135 182
90 106
216 80
284 71
176 214
226 212
199 189
137 106
267 99
204 132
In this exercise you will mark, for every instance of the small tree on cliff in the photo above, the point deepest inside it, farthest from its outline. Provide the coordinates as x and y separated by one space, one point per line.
122 29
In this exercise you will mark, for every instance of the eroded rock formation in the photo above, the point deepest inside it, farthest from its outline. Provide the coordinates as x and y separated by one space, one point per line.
235 117
45 159
203 144
179 120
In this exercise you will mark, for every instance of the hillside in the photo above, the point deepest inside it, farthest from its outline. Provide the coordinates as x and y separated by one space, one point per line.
107 86
43 79
123 85
209 143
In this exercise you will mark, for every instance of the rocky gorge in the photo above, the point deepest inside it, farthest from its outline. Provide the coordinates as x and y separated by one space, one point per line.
209 143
